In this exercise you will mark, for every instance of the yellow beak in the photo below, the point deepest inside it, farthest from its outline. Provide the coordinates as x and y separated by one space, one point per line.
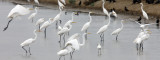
74 22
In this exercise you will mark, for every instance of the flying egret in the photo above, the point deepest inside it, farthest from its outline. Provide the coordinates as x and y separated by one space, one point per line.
87 24
33 14
117 31
65 51
46 24
18 10
99 47
144 26
28 42
41 20
103 29
143 12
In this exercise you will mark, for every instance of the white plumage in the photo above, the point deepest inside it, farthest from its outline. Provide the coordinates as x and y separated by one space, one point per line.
41 20
117 31
87 24
36 1
46 24
33 14
143 12
104 10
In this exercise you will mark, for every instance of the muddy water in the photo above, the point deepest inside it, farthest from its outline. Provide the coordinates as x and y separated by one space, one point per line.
21 29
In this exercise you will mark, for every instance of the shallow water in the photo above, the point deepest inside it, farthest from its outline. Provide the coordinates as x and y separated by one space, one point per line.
21 29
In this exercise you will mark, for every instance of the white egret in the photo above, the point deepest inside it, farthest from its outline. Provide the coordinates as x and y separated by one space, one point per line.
28 42
117 31
99 47
57 17
87 24
113 13
104 10
67 24
41 20
46 24
103 29
65 51
144 26
18 10
33 14
143 12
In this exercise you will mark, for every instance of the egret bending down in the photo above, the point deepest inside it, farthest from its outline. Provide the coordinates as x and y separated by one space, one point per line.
41 20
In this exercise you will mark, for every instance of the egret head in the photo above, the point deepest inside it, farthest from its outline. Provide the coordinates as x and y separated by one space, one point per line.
141 3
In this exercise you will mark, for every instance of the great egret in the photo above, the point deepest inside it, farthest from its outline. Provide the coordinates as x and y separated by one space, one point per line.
143 12
117 31
46 24
144 26
57 17
103 29
113 13
33 14
87 24
28 42
99 47
65 51
67 24
18 10
104 10
41 20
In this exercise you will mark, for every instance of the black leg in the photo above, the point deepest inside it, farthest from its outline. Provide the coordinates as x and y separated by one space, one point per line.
64 38
60 21
60 57
24 49
45 33
8 24
117 37
29 51
39 27
86 35
32 20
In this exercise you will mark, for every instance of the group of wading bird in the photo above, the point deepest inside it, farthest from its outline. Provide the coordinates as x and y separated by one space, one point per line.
72 43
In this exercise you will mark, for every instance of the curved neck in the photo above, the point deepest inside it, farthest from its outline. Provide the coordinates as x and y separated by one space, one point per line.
35 35
72 16
90 17
103 5
142 7
122 25
83 39
109 18
70 27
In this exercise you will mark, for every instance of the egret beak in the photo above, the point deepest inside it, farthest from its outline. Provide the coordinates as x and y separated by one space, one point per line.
74 22
89 33
30 8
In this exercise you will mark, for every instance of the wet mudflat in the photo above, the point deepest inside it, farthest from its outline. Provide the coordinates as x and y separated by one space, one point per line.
21 29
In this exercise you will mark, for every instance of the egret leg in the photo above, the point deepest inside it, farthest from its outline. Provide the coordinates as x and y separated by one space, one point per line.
32 20
64 38
101 36
39 28
60 57
8 24
70 55
86 34
56 24
29 51
60 21
117 37
137 46
68 33
64 57
65 13
45 33
24 49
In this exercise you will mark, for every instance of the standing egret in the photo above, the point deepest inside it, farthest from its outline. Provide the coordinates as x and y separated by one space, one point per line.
28 42
113 13
33 14
41 20
61 5
57 17
143 12
99 47
87 24
46 24
67 24
104 10
18 10
117 31
103 29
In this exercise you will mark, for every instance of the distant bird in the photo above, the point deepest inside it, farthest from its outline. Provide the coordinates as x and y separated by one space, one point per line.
99 47
113 13
28 42
46 24
103 29
36 1
80 2
18 10
139 19
144 26
33 14
87 24
41 20
68 49
126 9
143 12
117 31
